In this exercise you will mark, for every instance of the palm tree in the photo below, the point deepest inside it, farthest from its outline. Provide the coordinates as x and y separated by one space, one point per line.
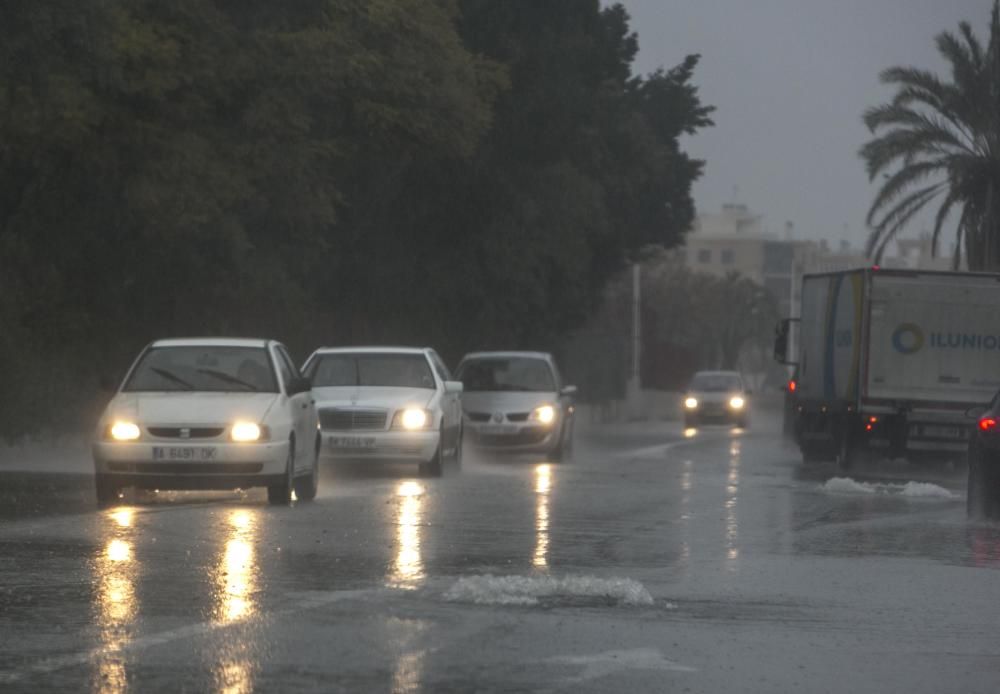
941 139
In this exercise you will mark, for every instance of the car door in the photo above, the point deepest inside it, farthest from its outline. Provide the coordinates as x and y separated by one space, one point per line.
301 407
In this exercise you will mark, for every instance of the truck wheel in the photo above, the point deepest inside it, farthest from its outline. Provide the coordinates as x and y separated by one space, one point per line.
847 452
981 499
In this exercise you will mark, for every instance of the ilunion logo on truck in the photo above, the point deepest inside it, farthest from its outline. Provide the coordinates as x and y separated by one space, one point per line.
909 338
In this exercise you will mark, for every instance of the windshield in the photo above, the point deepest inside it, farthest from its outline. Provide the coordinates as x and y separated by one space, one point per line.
716 383
358 369
208 368
507 374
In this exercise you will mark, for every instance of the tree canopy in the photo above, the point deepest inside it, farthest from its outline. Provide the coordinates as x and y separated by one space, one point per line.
940 140
462 173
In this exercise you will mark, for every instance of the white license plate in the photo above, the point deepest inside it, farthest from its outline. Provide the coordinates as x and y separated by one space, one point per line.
184 453
352 441
497 429
943 432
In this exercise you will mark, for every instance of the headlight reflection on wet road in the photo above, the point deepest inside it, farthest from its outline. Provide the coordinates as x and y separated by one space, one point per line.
732 517
543 485
116 606
235 586
236 575
408 568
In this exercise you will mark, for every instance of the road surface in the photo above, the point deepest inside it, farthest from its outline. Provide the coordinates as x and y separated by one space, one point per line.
655 560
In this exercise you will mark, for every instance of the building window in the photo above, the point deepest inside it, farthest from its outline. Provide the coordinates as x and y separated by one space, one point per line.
704 255
727 257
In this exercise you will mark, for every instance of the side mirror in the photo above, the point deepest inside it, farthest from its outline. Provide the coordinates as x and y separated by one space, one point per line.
299 385
782 332
975 412
568 391
453 387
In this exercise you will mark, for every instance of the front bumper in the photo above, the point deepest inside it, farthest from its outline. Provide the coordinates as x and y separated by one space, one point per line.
191 465
376 446
514 438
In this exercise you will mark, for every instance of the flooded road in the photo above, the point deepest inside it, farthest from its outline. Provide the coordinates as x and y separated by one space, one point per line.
654 560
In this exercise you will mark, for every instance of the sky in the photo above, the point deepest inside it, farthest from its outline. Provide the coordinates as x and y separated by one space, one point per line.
790 80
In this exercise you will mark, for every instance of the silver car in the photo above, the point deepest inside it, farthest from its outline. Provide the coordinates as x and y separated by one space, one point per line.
717 397
516 402
386 404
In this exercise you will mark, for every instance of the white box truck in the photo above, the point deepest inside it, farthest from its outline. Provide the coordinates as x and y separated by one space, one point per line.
889 361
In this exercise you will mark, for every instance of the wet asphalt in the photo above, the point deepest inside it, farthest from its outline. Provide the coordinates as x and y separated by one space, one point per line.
654 560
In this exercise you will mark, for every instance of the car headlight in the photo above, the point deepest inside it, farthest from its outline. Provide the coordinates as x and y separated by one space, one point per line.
124 431
691 403
546 414
412 418
245 432
736 402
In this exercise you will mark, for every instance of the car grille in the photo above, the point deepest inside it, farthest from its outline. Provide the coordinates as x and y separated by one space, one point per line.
352 420
478 416
518 416
186 432
187 468
525 437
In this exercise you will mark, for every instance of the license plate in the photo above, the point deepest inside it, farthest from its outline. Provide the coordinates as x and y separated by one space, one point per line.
184 453
497 429
943 432
352 441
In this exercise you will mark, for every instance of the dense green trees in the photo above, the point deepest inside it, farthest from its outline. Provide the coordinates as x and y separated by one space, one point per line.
463 173
940 139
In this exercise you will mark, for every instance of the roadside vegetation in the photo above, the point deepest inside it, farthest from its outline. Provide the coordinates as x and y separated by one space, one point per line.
459 173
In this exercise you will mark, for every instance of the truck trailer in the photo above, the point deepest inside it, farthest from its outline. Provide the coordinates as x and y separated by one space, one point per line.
889 362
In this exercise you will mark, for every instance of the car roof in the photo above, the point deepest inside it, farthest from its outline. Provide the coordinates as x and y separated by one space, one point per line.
373 349
507 354
212 342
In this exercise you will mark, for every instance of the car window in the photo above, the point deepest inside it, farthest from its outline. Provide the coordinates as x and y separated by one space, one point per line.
371 369
203 368
528 374
286 366
716 383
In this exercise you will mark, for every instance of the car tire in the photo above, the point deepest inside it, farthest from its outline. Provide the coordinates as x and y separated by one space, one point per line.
307 485
456 454
281 494
564 449
741 423
108 491
432 467
690 422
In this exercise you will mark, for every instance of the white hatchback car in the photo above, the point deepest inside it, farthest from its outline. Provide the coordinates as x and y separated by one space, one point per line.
516 402
209 413
386 404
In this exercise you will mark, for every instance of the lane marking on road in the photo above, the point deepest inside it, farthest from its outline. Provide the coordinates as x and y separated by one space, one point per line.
610 662
661 448
309 601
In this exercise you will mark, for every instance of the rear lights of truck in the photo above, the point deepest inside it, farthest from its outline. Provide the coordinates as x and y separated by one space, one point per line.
987 424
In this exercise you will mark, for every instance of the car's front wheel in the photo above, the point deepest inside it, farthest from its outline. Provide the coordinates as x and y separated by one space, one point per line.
280 494
432 467
108 491
307 485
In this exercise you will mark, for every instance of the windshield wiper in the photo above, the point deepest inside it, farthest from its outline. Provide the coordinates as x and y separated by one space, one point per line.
171 376
222 376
